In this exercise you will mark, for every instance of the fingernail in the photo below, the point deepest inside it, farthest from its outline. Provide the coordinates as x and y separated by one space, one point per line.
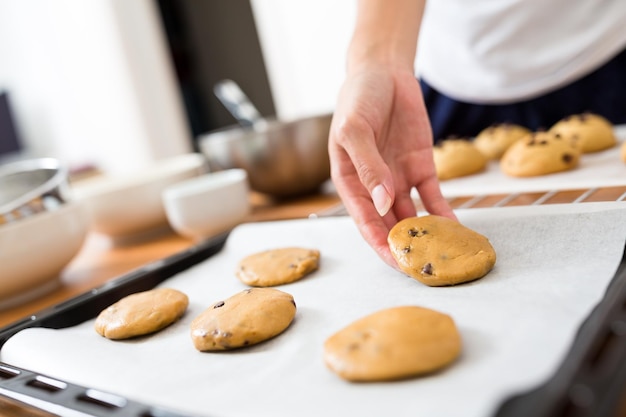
381 199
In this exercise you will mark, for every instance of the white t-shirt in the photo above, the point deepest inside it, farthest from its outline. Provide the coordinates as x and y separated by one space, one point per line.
496 51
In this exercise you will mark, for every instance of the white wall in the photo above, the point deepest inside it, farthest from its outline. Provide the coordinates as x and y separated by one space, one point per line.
90 81
304 45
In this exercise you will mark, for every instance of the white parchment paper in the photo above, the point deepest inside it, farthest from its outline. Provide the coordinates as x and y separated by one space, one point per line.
600 169
553 265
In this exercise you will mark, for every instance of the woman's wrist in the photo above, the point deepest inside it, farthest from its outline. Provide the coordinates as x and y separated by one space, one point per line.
385 36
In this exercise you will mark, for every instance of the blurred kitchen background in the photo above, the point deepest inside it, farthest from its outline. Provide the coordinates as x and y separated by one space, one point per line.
117 84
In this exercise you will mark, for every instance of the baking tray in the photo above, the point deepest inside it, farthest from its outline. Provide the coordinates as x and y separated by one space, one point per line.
65 399
589 382
597 169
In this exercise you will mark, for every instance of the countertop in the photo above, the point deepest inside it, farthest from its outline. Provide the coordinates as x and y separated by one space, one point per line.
98 261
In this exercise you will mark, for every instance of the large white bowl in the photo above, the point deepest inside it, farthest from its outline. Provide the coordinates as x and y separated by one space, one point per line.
205 206
34 251
125 205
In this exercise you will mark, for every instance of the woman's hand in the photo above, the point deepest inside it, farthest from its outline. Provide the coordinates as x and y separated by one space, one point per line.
380 147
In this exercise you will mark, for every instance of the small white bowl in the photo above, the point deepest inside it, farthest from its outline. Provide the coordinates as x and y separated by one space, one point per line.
34 251
208 205
123 206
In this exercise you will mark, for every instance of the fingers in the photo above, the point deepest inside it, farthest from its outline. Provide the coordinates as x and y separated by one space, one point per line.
355 163
432 198
373 228
430 192
356 138
376 236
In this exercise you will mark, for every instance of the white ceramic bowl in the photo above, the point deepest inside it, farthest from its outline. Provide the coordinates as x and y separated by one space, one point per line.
34 251
121 206
208 205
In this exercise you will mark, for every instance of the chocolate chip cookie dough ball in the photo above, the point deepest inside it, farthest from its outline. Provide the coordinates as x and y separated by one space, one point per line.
457 158
495 140
244 319
438 251
592 132
395 343
540 153
623 152
277 266
141 313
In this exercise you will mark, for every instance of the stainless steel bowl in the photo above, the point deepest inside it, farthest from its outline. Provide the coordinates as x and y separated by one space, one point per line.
283 159
32 186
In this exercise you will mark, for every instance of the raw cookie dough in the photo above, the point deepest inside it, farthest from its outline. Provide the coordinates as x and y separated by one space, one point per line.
277 266
592 132
141 313
457 158
438 251
248 317
496 139
623 152
540 153
395 343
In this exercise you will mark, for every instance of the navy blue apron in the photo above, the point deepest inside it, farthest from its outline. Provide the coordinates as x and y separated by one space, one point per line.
602 92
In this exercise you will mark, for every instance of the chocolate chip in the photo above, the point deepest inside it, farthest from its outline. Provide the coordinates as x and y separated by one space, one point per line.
406 249
567 158
365 335
417 232
218 304
427 269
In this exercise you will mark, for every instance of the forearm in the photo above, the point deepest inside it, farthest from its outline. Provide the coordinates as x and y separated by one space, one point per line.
386 32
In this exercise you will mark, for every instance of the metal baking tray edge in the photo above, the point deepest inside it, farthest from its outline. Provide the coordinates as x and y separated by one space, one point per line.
590 381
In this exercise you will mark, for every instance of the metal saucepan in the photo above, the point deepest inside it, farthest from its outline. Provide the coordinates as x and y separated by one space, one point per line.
282 158
32 186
